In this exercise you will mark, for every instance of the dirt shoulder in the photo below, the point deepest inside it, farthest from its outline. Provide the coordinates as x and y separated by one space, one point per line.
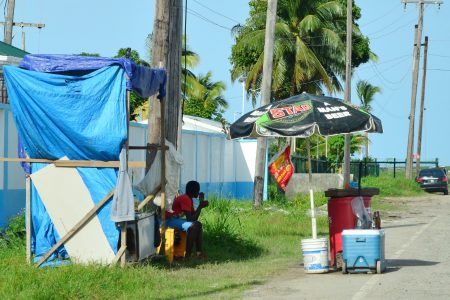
416 246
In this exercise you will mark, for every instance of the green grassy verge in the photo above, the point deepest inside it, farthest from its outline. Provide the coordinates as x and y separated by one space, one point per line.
244 246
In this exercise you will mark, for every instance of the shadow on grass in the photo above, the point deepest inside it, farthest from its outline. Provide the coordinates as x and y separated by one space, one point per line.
220 248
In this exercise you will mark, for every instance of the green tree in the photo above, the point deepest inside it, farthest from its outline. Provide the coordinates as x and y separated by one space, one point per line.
309 51
89 54
366 93
210 103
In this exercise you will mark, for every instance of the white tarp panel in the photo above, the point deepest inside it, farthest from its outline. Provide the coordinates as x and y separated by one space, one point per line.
67 201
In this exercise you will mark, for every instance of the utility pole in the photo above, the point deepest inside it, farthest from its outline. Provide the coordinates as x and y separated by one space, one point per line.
174 114
9 22
415 77
160 46
266 89
422 105
167 30
22 25
347 91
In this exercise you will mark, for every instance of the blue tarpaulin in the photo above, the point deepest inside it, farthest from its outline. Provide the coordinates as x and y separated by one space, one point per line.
82 117
144 81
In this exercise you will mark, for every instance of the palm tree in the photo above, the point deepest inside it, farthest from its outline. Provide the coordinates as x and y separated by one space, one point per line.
209 102
366 93
309 53
189 82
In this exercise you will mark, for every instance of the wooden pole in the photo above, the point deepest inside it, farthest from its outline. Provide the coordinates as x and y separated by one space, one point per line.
28 217
260 165
422 106
75 229
9 19
160 49
173 98
123 225
163 180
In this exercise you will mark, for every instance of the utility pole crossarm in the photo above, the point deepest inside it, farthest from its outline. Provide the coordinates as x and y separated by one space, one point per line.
22 24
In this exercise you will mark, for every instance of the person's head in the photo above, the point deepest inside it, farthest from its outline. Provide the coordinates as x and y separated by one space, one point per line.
192 189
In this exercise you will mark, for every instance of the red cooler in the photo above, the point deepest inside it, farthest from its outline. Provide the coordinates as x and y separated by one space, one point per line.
340 215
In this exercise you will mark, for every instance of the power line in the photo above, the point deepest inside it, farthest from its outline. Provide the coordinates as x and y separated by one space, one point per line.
439 55
438 69
200 16
389 25
216 12
382 16
390 32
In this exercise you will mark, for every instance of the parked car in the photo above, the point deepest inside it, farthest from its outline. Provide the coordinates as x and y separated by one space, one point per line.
433 180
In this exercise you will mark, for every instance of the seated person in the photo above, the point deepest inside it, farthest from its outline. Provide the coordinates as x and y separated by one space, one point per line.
185 217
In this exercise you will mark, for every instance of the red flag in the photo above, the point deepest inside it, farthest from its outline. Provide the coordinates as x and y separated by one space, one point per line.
281 167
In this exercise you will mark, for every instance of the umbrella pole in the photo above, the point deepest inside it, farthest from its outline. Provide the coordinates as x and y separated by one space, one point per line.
311 194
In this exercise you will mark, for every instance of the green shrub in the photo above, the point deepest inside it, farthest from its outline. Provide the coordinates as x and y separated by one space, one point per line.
390 186
13 236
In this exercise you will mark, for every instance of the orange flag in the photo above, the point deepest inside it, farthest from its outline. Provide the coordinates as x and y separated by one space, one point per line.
281 167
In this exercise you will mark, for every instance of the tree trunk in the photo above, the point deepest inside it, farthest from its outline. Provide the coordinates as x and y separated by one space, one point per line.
265 99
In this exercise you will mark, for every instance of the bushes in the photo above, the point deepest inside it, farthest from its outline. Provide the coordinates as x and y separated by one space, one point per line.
13 236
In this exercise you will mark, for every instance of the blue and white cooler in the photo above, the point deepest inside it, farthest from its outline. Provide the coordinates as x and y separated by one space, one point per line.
363 250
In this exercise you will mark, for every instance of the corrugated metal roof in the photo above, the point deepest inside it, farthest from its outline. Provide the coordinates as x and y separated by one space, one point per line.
8 50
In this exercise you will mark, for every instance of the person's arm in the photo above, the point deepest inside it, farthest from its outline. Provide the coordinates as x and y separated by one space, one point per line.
194 215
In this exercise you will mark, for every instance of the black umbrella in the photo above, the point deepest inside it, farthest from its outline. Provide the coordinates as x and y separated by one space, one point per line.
301 116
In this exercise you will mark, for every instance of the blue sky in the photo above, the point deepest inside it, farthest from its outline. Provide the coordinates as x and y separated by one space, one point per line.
105 26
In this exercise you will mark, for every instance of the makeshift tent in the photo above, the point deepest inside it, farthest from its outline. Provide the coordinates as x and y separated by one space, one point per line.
75 107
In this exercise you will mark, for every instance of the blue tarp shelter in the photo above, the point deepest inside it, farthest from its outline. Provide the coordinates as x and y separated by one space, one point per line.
75 106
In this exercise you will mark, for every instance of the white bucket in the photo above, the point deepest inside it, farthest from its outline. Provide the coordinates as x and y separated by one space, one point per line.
315 255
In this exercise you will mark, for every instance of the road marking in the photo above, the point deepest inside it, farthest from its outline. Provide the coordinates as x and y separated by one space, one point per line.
368 286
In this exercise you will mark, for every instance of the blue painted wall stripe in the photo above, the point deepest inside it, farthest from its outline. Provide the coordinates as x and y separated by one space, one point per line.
5 152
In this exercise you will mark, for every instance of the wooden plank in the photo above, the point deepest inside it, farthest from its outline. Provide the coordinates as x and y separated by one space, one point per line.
119 255
148 198
28 218
149 146
77 163
123 242
75 229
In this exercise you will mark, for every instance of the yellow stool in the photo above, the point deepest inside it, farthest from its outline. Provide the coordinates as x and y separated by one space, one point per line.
173 250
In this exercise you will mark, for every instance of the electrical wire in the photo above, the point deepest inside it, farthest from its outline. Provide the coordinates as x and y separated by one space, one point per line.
216 12
200 16
395 30
382 16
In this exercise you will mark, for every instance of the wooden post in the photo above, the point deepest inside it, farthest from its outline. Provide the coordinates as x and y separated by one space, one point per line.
9 18
28 217
163 179
422 106
123 225
394 167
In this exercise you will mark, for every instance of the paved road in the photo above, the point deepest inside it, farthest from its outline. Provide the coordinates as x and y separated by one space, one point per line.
417 252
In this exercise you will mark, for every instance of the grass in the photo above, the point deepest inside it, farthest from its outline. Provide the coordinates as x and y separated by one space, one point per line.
245 247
